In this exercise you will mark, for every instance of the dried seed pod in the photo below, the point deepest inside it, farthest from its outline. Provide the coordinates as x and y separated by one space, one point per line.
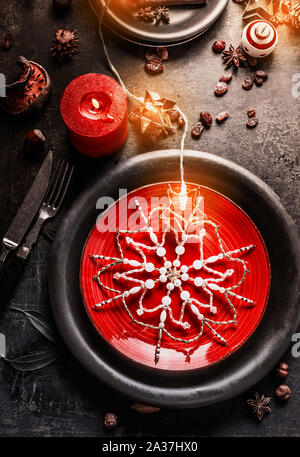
282 370
30 92
283 392
180 122
145 409
174 115
65 45
110 420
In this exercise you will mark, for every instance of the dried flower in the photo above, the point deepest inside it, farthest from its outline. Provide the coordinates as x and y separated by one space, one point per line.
161 13
259 405
234 56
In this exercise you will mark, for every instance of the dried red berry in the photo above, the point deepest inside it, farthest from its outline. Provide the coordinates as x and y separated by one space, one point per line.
252 61
7 42
174 115
219 46
155 67
34 141
180 122
226 77
252 122
248 83
206 118
145 409
221 88
162 53
282 370
258 81
150 57
251 112
197 130
222 116
283 392
110 420
261 74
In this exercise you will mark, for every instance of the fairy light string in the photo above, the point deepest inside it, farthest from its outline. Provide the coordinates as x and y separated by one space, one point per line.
132 96
171 274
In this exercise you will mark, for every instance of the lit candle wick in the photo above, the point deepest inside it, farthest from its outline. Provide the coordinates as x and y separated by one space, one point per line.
95 103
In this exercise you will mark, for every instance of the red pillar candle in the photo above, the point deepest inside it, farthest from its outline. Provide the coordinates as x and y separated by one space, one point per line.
94 109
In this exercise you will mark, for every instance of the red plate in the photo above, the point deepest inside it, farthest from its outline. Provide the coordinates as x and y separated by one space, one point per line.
137 342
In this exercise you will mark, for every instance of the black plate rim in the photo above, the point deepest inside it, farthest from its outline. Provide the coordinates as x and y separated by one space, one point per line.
247 366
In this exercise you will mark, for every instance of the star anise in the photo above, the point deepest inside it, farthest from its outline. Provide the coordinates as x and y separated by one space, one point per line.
161 13
234 56
145 14
259 405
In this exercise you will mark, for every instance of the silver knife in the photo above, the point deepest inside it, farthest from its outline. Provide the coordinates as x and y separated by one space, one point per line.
28 210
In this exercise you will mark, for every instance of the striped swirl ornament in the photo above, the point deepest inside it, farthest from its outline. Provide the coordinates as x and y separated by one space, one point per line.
259 38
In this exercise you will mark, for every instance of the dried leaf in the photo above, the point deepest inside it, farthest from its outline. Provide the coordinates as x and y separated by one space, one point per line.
34 361
146 409
40 323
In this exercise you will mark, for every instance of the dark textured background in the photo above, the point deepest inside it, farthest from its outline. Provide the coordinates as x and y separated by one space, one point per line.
62 399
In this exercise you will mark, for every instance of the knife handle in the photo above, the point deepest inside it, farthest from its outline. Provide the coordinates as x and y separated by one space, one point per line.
9 273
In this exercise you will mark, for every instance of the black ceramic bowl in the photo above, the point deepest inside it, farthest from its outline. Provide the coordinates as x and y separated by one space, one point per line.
226 378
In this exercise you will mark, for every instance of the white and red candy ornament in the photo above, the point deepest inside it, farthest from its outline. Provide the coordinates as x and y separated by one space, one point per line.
259 38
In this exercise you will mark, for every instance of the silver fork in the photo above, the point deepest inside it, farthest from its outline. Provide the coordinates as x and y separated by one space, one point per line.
53 199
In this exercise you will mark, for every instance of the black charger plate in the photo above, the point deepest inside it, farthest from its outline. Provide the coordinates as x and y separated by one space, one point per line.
226 378
187 22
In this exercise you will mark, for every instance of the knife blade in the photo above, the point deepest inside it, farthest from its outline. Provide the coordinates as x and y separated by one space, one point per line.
28 210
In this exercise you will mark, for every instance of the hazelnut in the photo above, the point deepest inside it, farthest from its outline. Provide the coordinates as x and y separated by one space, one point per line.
34 140
283 392
282 370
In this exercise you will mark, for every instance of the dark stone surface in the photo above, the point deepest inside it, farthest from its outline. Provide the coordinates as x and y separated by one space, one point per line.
62 399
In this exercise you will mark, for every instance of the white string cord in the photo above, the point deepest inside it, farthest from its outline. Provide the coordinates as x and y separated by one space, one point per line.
127 91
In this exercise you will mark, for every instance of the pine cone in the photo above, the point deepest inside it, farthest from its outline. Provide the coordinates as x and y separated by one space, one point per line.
65 45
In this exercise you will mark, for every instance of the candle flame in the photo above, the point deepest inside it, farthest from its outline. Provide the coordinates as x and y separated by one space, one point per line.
95 103
183 196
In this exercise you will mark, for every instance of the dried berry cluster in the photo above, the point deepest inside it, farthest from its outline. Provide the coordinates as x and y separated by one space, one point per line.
205 122
158 14
154 62
258 78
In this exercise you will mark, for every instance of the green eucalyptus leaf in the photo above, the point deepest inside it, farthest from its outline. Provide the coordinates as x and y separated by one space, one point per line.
34 361
40 323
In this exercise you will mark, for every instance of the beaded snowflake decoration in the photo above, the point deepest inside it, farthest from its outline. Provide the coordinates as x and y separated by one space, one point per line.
174 275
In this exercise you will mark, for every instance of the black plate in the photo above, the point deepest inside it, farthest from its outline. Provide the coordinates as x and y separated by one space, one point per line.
186 22
191 388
